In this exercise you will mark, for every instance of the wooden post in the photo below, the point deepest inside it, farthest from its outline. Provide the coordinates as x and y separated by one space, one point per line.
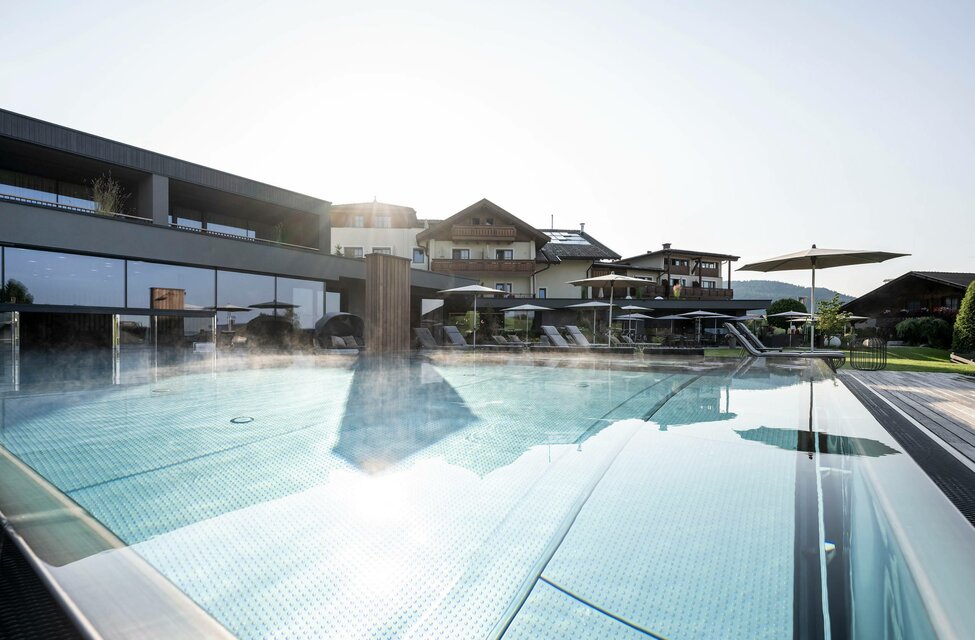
387 314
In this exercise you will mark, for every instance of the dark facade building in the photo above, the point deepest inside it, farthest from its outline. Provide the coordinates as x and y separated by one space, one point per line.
105 243
916 293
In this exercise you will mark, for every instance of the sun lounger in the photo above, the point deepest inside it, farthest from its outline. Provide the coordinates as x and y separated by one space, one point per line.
577 336
834 359
453 334
425 338
745 331
554 337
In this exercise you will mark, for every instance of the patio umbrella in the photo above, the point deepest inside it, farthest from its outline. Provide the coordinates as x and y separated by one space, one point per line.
473 289
671 317
527 307
819 258
698 315
631 317
592 304
612 280
231 309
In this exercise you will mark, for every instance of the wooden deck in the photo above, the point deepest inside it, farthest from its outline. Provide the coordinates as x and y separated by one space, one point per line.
944 403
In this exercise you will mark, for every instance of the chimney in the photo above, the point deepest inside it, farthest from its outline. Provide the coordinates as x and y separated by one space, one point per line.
666 245
582 227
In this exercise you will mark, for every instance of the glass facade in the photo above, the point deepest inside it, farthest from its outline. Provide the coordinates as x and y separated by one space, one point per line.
164 286
309 295
47 277
244 290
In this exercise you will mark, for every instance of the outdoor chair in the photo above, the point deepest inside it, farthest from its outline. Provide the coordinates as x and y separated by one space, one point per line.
453 334
554 337
425 338
745 331
834 359
577 336
517 342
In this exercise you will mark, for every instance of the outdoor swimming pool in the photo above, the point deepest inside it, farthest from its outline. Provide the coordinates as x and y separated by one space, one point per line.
482 498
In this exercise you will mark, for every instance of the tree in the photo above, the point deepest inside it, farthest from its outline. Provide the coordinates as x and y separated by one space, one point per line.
108 195
782 305
963 338
831 320
15 292
338 251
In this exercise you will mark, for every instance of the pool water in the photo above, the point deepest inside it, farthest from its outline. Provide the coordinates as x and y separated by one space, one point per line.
477 499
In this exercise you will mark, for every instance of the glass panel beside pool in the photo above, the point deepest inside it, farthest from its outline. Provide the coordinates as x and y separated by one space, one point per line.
472 498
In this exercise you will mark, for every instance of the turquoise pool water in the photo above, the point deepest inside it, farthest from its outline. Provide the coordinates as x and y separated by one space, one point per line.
477 499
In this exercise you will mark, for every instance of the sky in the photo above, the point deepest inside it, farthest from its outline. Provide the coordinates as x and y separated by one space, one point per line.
749 128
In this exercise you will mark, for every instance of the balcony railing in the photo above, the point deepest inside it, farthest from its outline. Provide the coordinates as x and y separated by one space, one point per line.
482 233
47 204
525 267
652 290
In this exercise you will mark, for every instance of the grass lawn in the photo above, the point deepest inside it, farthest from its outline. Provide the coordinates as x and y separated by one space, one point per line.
898 359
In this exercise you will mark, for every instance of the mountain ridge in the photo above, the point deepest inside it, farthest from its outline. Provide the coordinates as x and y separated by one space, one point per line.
775 290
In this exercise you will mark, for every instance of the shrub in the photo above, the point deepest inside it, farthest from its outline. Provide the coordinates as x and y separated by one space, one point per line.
963 340
933 332
780 306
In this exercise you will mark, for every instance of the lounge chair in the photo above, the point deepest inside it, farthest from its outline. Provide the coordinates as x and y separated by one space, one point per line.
514 341
453 334
425 338
554 337
834 359
577 336
745 331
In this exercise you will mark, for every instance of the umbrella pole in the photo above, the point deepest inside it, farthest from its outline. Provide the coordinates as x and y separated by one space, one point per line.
609 329
475 320
812 300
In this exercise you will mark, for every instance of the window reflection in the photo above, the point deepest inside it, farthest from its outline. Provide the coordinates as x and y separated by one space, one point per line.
309 295
166 286
66 278
243 290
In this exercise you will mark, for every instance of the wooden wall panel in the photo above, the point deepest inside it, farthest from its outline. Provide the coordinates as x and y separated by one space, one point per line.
387 314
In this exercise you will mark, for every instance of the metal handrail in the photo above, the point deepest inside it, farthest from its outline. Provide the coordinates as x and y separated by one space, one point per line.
47 204
34 202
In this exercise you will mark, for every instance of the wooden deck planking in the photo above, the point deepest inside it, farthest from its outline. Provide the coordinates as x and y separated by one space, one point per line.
943 402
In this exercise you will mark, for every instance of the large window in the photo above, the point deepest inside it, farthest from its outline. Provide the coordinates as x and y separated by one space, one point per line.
165 286
418 257
353 252
381 222
244 290
461 254
504 254
48 277
309 295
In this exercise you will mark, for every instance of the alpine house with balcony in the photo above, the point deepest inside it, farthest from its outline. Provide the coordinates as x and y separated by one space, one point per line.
488 244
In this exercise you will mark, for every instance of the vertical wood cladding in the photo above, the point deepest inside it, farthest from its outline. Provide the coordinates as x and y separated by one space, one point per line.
387 313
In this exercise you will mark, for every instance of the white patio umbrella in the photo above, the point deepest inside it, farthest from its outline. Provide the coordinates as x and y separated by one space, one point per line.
473 289
698 315
593 304
613 280
671 318
819 258
528 307
631 317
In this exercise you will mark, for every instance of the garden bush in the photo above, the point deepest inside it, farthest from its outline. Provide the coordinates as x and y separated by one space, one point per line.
933 332
963 340
781 305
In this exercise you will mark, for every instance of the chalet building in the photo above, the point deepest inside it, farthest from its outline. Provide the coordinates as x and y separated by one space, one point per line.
570 254
913 294
377 227
486 243
697 272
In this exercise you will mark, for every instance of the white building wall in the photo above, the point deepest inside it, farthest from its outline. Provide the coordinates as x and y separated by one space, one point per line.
401 241
554 279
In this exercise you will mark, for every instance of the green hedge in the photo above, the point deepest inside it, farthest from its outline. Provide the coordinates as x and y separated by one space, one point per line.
964 334
933 332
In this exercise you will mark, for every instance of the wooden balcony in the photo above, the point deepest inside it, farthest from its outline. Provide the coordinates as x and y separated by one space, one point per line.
462 267
482 233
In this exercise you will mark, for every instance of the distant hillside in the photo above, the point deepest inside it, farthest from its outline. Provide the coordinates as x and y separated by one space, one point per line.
774 290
